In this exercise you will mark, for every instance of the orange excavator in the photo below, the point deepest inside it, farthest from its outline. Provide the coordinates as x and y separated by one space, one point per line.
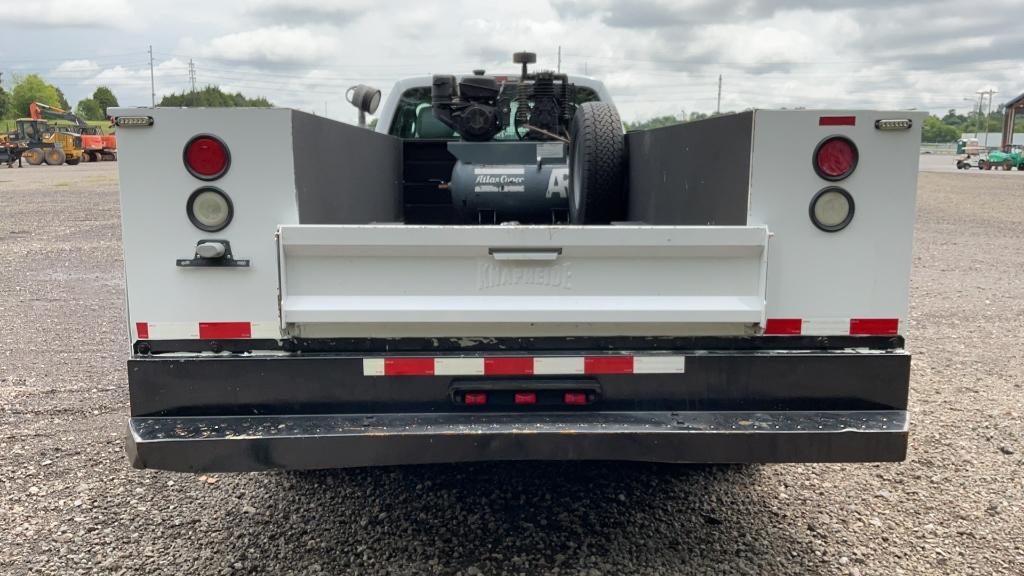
95 145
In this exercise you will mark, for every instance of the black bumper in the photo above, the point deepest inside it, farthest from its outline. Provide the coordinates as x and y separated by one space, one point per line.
242 443
302 411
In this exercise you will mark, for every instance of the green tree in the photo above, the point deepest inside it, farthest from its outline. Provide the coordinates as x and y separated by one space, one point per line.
5 105
953 119
656 122
104 98
62 101
31 89
934 130
212 97
89 109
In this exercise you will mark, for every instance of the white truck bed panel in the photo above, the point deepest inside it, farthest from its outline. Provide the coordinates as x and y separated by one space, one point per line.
540 275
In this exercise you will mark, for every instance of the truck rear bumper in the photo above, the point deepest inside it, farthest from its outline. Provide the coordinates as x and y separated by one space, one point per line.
731 401
242 443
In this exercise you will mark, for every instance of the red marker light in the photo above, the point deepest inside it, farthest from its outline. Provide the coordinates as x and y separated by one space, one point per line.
835 158
575 398
207 157
526 397
475 398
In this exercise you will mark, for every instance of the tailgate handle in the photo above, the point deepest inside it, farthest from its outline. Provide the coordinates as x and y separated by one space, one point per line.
513 254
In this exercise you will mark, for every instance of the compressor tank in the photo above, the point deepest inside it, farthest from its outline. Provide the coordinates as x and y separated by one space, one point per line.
495 182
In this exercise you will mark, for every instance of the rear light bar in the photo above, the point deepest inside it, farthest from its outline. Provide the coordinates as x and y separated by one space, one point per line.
539 397
894 124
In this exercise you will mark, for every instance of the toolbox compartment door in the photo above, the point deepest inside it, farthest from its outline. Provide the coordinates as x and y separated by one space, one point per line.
401 275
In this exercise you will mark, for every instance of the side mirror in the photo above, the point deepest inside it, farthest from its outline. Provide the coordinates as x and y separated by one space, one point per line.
365 98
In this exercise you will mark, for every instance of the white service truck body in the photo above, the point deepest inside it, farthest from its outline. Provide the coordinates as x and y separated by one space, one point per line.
718 324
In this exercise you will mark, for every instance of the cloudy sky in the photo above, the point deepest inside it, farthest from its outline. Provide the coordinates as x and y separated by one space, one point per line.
657 57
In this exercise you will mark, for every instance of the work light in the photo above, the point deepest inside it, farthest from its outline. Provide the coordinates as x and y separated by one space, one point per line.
832 209
209 209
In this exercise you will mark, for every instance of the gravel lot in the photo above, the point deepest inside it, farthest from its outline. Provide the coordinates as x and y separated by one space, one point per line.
70 503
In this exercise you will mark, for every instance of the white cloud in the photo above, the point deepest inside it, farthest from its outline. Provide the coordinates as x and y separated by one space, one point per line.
657 56
320 11
70 14
77 67
274 45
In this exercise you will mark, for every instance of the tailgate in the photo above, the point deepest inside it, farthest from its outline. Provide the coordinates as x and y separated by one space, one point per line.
536 276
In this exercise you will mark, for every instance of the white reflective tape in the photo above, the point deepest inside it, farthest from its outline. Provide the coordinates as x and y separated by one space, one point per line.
547 365
544 365
173 330
458 366
825 326
659 364
373 366
266 330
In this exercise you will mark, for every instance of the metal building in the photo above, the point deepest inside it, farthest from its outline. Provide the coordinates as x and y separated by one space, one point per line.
1010 112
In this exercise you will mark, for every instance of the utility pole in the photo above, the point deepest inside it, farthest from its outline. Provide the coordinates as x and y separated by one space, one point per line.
192 74
982 117
152 85
981 111
991 93
977 122
585 68
559 59
718 106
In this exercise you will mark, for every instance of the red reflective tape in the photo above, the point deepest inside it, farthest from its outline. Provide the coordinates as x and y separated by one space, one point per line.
142 329
408 366
837 121
608 365
875 326
514 366
783 326
224 330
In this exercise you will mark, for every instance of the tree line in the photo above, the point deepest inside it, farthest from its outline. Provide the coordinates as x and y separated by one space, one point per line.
32 88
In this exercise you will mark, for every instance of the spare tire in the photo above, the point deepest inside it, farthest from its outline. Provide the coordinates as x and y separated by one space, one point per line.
596 165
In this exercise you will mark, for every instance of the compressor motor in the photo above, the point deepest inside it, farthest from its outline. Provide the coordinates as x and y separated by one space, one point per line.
523 175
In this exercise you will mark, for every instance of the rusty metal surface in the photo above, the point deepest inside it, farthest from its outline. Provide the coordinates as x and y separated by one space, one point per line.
326 441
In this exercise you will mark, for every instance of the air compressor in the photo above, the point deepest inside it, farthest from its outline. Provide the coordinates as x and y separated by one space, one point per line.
511 165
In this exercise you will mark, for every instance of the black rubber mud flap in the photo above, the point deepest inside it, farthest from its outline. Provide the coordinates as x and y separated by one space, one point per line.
597 191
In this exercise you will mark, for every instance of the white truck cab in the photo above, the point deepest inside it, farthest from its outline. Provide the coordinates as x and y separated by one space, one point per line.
728 290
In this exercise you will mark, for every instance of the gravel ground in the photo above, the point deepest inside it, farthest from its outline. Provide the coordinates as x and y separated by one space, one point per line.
70 503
